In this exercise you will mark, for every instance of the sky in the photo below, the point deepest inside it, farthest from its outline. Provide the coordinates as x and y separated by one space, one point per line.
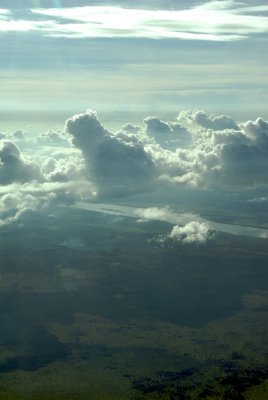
106 100
149 57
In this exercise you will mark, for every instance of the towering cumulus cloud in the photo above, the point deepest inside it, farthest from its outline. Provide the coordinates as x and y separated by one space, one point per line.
197 149
116 164
14 168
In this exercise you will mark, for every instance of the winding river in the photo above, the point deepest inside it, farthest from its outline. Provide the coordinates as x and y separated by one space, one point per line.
165 214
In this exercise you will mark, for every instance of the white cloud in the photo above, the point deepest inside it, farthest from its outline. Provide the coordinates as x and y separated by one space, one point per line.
220 153
200 118
192 232
189 228
158 214
214 20
16 199
233 155
164 214
3 12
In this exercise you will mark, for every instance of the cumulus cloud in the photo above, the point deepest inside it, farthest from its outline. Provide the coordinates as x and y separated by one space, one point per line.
14 167
24 186
53 138
16 199
116 164
131 128
230 154
197 149
192 232
200 118
257 132
188 228
164 214
167 134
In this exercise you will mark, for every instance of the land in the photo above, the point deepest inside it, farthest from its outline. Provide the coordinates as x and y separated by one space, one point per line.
95 306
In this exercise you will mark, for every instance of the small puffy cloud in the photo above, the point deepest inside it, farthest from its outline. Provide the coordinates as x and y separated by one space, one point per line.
130 128
257 131
192 232
63 166
116 164
167 134
186 229
156 213
14 167
201 119
19 134
53 138
154 126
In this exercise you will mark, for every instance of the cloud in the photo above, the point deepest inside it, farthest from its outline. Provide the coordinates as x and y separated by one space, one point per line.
257 131
24 187
17 199
199 117
130 128
186 229
232 154
214 21
197 150
192 232
14 167
116 164
163 214
216 153
53 138
167 134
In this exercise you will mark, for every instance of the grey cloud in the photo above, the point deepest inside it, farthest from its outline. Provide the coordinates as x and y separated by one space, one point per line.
257 131
14 168
19 134
167 134
116 165
131 128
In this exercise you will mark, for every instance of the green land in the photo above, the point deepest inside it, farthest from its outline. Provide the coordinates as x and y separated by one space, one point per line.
94 307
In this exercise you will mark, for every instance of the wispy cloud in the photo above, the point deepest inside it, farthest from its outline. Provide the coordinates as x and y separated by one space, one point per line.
223 20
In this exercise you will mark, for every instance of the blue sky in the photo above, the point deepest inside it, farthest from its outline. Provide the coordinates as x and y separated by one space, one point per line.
155 57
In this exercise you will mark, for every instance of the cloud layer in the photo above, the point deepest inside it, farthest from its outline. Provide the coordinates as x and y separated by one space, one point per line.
196 150
225 20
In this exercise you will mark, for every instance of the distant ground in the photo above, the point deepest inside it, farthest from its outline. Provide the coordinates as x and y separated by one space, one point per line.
94 306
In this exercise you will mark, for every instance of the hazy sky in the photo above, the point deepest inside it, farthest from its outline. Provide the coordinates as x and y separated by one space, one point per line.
149 56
